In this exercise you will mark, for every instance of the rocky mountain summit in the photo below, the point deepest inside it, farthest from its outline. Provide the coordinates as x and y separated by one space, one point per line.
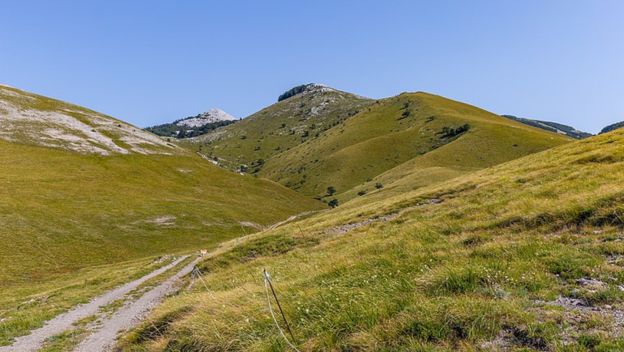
210 116
193 126
305 88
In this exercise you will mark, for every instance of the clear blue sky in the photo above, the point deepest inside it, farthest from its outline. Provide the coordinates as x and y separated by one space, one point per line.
150 62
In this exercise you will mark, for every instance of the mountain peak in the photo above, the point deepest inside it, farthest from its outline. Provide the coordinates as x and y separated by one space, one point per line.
193 126
211 116
305 88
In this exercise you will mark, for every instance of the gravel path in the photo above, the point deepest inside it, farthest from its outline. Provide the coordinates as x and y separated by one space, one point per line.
65 321
104 338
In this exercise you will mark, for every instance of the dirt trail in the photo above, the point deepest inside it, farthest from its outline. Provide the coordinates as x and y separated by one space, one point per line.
65 321
104 338
131 314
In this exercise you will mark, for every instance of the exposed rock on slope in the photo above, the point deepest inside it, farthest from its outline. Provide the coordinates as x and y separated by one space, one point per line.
303 113
33 119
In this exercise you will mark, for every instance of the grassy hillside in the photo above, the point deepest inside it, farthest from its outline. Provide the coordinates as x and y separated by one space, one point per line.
279 127
414 139
62 210
77 181
527 255
88 201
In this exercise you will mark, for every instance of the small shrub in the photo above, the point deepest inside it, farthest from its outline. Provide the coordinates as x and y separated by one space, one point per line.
331 190
450 132
378 185
427 329
610 295
589 341
568 267
460 282
333 203
473 240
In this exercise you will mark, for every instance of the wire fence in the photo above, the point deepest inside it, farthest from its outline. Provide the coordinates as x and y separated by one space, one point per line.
270 291
268 285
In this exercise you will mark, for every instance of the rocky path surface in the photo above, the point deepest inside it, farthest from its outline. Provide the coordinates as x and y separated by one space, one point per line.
65 321
104 338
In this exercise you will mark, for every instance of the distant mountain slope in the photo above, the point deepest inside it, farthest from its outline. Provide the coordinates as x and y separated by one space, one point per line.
416 138
210 116
301 114
552 127
612 127
37 120
65 206
193 126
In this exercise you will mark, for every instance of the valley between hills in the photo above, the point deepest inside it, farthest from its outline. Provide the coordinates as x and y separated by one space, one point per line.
408 223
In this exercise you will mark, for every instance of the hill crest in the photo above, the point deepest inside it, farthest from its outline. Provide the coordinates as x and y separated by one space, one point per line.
550 126
612 127
420 137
